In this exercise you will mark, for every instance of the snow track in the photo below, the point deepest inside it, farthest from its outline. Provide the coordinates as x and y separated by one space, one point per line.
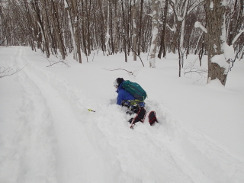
56 140
76 159
31 157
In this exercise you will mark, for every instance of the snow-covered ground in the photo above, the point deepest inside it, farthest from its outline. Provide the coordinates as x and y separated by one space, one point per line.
47 134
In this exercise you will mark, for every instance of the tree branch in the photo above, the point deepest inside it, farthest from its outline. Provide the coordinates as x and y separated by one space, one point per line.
138 56
4 72
61 61
237 36
130 72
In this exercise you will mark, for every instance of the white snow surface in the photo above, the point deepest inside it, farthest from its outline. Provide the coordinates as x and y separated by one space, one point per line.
47 134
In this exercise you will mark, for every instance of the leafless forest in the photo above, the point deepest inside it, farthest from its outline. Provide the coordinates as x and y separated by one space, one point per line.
131 27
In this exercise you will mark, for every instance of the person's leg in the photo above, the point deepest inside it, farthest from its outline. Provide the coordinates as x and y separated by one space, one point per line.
140 116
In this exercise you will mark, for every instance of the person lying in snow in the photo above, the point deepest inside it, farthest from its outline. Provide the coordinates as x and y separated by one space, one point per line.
135 106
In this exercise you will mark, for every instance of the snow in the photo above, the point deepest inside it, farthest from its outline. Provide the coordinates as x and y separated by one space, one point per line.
199 25
220 60
211 5
229 52
224 2
48 135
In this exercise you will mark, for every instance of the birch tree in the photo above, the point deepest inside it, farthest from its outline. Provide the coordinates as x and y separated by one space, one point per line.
181 9
108 33
153 48
73 18
181 50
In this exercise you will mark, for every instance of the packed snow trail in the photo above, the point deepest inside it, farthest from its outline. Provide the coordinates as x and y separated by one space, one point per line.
54 138
76 159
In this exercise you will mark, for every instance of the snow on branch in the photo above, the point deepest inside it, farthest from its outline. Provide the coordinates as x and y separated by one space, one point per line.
237 36
195 5
220 60
198 71
229 52
173 29
199 25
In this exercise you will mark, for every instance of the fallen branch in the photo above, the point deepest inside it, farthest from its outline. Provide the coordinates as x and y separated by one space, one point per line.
61 61
130 72
4 72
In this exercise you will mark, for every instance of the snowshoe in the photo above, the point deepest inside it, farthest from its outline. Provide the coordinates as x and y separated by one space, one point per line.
152 118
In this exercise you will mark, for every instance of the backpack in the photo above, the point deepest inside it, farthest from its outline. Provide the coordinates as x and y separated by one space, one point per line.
135 90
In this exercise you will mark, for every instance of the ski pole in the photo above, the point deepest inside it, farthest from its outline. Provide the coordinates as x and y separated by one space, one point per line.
91 110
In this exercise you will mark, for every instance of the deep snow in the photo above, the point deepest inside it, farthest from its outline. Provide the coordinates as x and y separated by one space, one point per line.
48 135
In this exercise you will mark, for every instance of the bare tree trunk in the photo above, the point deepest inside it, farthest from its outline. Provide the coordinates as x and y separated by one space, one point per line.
111 27
128 25
74 21
49 26
215 20
88 13
162 49
124 31
236 20
57 29
30 24
108 35
71 28
116 28
41 26
153 49
46 26
83 31
102 20
140 29
134 28
181 49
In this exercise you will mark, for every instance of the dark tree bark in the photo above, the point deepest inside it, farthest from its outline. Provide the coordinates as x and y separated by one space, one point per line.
162 49
215 20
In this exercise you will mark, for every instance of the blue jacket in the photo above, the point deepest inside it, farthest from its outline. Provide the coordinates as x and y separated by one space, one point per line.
123 95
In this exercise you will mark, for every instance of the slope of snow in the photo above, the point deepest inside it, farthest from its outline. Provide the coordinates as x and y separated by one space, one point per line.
48 135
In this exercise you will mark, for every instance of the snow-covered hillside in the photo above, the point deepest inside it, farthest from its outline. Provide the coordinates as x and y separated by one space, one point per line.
47 134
